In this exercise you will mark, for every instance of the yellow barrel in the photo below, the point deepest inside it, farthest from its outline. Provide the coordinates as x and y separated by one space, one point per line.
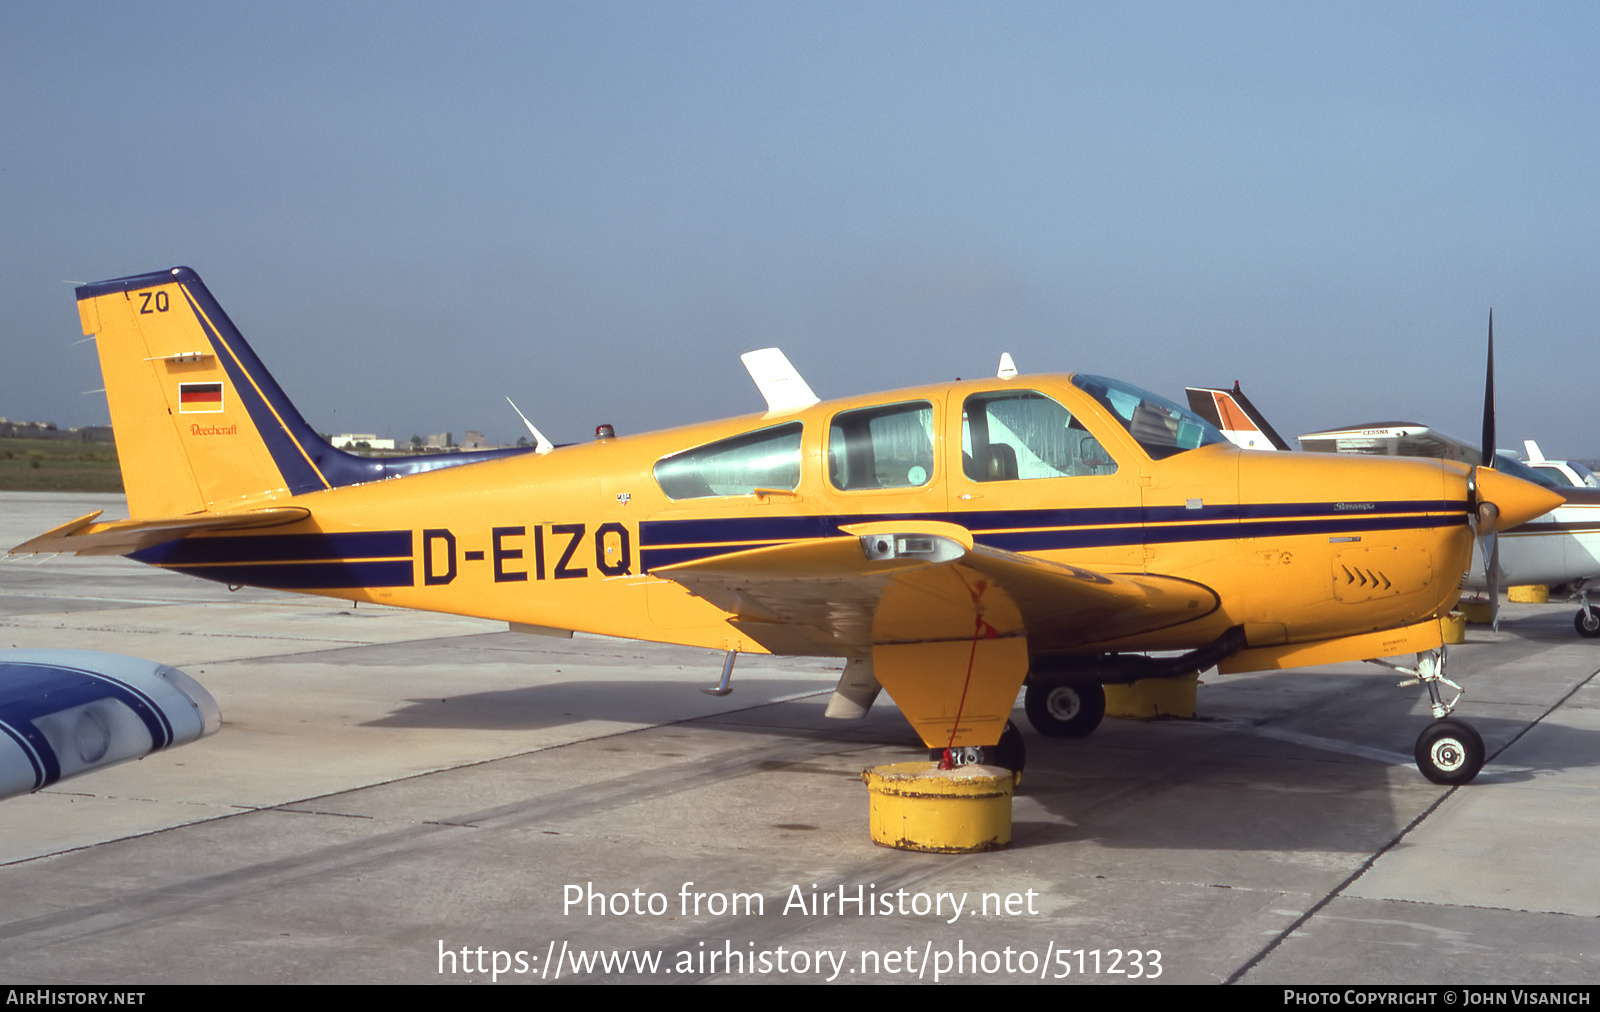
918 806
1533 593
1153 697
1475 611
1453 627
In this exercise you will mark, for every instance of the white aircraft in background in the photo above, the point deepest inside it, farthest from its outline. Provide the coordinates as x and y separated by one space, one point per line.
1565 472
1561 547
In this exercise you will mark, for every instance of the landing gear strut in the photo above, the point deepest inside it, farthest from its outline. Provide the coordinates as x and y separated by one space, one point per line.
1447 751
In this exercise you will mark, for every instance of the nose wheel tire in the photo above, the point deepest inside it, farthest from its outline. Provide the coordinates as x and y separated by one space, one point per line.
1008 753
1065 709
1449 752
1587 623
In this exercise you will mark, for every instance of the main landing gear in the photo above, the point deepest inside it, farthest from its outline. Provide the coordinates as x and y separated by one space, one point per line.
1447 751
1058 710
1587 621
1009 753
1065 709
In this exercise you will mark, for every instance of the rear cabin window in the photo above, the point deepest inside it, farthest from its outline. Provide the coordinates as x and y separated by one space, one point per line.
1014 435
768 458
890 446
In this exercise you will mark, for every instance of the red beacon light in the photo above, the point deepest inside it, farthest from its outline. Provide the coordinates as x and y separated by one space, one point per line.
603 431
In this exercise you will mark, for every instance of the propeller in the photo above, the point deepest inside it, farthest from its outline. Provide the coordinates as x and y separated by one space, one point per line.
1496 499
1485 518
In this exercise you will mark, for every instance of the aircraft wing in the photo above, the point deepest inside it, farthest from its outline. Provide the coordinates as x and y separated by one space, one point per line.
949 624
66 712
119 537
896 583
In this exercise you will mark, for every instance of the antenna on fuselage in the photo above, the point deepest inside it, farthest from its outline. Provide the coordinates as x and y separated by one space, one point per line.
1008 368
540 444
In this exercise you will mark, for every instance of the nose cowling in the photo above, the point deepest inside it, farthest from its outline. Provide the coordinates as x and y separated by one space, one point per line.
1517 501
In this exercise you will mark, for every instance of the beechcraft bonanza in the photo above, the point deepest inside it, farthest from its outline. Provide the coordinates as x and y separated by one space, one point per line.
950 542
1561 547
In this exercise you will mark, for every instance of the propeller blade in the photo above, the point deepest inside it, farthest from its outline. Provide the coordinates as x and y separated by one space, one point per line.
1485 521
1487 446
1491 574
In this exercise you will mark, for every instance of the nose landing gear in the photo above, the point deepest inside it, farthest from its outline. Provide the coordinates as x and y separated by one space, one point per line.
1448 752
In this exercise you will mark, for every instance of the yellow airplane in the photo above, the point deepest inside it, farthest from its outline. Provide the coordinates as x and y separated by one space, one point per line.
949 541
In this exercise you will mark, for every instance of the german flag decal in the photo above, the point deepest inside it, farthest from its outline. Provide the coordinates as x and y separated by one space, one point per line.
205 398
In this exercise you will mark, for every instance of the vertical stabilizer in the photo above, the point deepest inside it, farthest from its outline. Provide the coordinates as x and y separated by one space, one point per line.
1233 414
184 405
779 382
200 423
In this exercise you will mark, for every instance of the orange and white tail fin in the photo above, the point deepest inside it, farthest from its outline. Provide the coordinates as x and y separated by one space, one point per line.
1232 413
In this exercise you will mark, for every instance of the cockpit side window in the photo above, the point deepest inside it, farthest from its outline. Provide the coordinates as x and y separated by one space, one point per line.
1551 471
1160 426
890 446
1508 464
767 458
1014 435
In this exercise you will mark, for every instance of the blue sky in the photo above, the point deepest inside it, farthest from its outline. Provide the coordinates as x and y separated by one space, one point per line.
412 210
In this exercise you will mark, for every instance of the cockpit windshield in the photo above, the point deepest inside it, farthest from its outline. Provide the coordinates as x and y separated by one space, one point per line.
1160 426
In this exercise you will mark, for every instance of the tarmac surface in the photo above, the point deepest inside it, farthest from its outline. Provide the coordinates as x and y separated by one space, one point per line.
398 797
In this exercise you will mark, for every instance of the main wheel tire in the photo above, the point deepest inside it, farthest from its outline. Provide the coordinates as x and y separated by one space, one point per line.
1587 623
1010 752
1065 709
1449 752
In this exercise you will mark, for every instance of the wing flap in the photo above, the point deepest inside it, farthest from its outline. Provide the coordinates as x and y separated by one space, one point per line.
1068 606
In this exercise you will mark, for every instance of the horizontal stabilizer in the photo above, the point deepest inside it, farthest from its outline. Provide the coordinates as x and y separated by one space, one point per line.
84 536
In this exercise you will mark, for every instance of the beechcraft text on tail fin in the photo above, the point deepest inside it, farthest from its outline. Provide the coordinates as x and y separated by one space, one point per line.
950 542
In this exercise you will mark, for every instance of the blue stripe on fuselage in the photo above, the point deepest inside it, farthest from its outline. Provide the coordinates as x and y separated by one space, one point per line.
662 533
308 575
278 548
291 561
667 542
384 558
